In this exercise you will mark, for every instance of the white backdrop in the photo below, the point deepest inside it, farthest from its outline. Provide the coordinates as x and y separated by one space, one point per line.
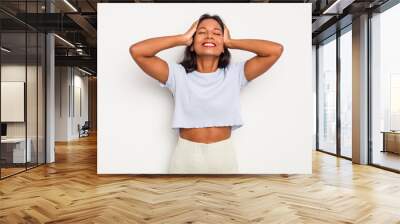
12 101
135 113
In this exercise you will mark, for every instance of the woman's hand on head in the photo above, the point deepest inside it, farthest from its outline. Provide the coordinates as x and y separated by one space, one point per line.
227 37
188 36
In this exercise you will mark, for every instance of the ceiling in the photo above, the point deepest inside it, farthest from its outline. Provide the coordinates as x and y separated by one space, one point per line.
76 22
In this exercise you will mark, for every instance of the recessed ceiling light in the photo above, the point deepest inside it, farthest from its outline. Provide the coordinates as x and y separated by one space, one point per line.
70 5
5 50
84 71
64 40
337 7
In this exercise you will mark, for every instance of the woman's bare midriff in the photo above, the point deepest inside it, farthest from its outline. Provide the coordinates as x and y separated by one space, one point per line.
206 135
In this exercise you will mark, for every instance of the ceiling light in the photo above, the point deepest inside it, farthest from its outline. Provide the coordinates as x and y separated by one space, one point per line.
70 5
5 50
329 9
64 40
84 71
337 7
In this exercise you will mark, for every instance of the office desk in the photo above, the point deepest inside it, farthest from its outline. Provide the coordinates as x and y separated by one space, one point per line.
15 148
391 141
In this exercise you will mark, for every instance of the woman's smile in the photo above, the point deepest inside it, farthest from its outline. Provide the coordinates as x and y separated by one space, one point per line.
209 44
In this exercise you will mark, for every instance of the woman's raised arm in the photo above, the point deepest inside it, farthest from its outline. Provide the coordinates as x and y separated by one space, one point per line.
144 52
267 53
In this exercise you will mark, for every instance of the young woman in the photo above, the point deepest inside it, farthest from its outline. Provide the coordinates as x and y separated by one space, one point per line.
206 89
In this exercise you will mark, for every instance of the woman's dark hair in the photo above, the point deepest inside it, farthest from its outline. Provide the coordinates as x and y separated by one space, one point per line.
189 61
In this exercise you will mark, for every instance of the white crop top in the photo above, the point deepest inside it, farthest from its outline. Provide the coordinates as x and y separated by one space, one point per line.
206 99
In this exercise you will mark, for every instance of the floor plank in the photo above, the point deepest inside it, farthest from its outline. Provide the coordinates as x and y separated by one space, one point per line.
70 191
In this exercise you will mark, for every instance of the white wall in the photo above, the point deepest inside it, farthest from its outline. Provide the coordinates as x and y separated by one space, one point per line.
80 83
134 113
314 88
68 80
61 103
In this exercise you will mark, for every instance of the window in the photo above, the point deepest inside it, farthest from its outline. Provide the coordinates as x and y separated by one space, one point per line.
327 96
346 93
385 88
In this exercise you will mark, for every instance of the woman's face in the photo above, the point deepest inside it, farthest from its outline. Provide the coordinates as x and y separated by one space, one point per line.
209 38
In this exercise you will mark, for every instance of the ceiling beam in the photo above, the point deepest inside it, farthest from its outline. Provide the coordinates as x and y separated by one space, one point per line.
84 61
84 24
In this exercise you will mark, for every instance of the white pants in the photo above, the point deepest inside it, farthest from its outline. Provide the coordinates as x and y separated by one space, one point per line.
191 157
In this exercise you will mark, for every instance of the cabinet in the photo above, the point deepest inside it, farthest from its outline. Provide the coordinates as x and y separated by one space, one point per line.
391 141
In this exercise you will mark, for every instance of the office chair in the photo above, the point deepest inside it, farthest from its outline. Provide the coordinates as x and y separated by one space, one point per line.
84 130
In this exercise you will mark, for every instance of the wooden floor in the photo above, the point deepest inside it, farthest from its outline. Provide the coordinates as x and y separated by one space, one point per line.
5 172
70 191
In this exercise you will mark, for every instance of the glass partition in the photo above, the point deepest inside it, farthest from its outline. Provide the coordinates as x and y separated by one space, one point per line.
385 89
327 96
346 93
14 153
32 95
41 87
22 77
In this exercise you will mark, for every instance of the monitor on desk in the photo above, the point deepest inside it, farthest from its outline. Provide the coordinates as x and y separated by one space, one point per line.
3 130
